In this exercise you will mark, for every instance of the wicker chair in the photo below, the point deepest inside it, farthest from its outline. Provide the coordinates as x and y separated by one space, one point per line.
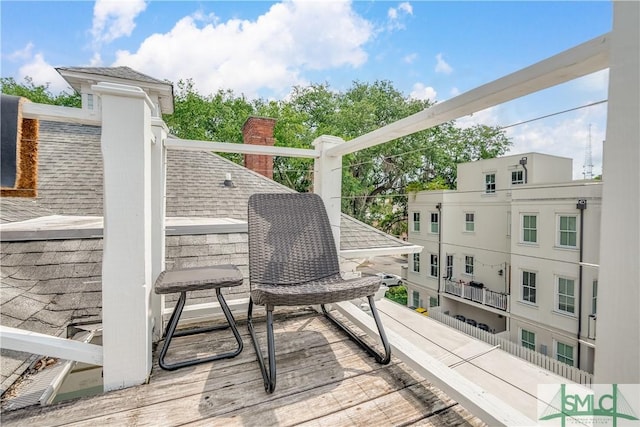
293 261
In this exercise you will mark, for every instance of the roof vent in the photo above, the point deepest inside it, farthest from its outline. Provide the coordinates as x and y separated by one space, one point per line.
227 181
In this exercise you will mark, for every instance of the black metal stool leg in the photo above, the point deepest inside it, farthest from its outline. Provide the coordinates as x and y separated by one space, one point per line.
171 333
269 378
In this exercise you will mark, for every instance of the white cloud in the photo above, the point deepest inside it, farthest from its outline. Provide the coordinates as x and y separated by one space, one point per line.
442 66
113 19
422 92
595 82
43 73
454 91
22 54
565 136
395 14
409 59
271 52
406 8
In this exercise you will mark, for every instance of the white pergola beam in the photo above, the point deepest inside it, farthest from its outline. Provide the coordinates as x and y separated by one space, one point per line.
227 147
578 61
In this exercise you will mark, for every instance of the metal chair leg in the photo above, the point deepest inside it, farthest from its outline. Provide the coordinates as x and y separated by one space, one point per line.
268 377
380 358
170 333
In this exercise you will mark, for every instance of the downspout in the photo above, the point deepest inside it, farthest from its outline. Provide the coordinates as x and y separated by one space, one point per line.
581 206
439 207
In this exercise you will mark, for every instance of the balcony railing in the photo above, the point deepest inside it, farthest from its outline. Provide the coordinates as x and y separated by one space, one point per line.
134 149
477 294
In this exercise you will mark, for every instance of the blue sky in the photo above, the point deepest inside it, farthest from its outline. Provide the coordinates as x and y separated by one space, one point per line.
427 49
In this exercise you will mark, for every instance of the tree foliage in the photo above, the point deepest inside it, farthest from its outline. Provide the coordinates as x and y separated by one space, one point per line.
375 181
38 93
397 294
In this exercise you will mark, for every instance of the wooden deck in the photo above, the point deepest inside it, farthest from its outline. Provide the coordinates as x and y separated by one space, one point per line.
324 379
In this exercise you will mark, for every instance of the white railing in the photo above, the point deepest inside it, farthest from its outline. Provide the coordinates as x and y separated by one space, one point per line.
127 125
532 356
482 296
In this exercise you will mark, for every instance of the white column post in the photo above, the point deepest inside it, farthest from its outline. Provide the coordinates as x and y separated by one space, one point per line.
158 204
126 263
327 181
617 358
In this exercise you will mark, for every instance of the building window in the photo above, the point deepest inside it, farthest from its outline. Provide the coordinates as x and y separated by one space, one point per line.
433 302
449 271
416 263
435 225
517 177
566 295
416 222
89 101
416 299
568 231
528 339
529 229
564 353
594 297
490 183
468 265
434 265
469 222
529 286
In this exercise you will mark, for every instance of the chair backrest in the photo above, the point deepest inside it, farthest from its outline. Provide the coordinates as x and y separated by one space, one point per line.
290 239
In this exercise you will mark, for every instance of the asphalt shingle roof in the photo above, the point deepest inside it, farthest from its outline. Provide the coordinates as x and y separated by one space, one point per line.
124 73
48 284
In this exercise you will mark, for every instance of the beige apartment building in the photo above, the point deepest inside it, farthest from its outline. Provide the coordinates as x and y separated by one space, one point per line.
514 250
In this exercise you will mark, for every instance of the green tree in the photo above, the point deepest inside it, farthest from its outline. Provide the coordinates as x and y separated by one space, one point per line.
218 117
397 294
376 180
38 93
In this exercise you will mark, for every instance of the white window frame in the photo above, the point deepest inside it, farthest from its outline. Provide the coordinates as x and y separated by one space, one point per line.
560 231
514 177
416 224
564 298
529 286
523 229
433 223
433 265
470 222
467 265
415 299
490 183
415 265
449 266
557 356
527 344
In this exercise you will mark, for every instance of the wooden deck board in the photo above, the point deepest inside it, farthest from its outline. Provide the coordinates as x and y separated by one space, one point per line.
323 379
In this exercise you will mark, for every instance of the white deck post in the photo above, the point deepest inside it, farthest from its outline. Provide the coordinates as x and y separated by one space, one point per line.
327 181
126 263
158 204
617 358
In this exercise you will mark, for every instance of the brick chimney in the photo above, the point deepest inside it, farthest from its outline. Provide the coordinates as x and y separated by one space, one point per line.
259 131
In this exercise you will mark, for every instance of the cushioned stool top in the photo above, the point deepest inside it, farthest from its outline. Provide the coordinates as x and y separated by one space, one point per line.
197 278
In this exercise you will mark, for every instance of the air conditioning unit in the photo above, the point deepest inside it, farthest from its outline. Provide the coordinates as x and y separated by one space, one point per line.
543 349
